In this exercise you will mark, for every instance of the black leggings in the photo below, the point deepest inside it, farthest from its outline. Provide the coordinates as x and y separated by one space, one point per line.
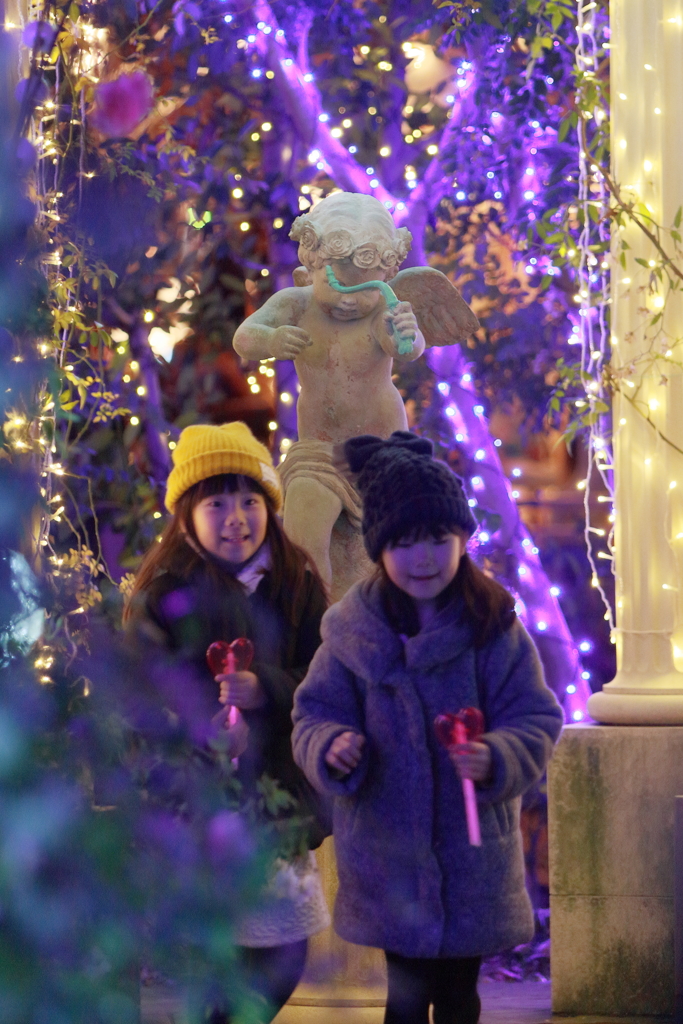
449 984
273 973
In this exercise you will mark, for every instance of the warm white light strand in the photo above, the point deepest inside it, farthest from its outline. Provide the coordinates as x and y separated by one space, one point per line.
594 288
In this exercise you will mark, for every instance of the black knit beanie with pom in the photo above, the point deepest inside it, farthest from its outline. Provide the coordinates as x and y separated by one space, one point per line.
405 490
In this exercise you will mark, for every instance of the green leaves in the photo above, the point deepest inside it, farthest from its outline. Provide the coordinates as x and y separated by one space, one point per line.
273 798
490 17
577 393
540 43
567 123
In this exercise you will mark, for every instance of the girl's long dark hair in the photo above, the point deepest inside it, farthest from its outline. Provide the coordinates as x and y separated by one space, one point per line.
179 552
487 605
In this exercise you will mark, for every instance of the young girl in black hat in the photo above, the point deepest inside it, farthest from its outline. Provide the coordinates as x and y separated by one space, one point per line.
428 634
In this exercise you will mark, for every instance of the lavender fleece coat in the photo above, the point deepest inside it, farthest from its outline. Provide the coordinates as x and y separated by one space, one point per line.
409 882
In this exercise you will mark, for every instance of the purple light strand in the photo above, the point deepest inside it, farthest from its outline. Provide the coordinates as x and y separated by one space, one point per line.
538 606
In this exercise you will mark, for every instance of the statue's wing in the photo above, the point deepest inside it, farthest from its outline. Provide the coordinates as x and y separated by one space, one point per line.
442 314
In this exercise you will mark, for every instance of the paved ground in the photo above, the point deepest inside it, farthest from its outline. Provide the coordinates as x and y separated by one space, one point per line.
502 1003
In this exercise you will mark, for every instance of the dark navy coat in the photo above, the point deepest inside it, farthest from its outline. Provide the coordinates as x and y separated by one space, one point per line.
177 618
409 881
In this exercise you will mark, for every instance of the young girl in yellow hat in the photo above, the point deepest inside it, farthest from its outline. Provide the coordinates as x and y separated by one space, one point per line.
225 569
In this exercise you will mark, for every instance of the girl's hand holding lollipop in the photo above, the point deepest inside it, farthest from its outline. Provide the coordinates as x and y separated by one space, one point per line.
472 760
241 689
230 666
229 723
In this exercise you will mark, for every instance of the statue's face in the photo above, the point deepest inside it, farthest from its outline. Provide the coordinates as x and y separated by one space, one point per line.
347 307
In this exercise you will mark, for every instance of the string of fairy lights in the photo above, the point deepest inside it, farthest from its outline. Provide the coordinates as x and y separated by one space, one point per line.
266 51
41 442
537 600
36 436
592 330
44 138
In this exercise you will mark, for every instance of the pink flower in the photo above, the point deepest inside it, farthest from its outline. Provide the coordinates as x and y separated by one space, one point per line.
121 104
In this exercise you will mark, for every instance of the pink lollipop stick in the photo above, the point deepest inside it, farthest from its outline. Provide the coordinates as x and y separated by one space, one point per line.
230 667
471 809
224 658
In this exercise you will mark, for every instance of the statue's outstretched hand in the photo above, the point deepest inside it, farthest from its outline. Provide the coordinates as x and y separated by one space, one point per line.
401 320
287 342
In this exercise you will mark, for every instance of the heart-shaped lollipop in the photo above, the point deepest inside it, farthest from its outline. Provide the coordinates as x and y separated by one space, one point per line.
224 658
446 726
451 729
235 657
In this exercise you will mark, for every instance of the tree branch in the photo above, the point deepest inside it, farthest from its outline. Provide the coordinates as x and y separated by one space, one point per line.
646 417
303 103
154 423
431 189
628 208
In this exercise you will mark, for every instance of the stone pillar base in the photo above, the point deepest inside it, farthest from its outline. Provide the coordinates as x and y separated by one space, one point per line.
342 968
611 842
633 699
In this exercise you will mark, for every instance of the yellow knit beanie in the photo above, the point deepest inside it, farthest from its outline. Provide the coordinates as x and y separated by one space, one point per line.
203 451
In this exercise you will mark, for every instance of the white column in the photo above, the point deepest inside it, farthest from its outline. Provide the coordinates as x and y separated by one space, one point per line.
647 148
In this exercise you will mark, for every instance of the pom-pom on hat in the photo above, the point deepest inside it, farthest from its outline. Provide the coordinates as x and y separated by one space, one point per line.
203 451
405 490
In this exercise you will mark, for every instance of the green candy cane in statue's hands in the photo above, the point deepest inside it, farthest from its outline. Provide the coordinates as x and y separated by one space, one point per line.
404 343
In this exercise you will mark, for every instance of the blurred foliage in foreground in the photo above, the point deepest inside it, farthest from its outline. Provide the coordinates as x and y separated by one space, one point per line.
124 837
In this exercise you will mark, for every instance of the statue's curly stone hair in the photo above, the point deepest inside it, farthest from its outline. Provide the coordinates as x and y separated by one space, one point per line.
349 225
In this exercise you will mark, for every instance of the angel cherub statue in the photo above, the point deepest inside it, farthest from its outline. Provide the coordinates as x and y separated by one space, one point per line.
344 339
